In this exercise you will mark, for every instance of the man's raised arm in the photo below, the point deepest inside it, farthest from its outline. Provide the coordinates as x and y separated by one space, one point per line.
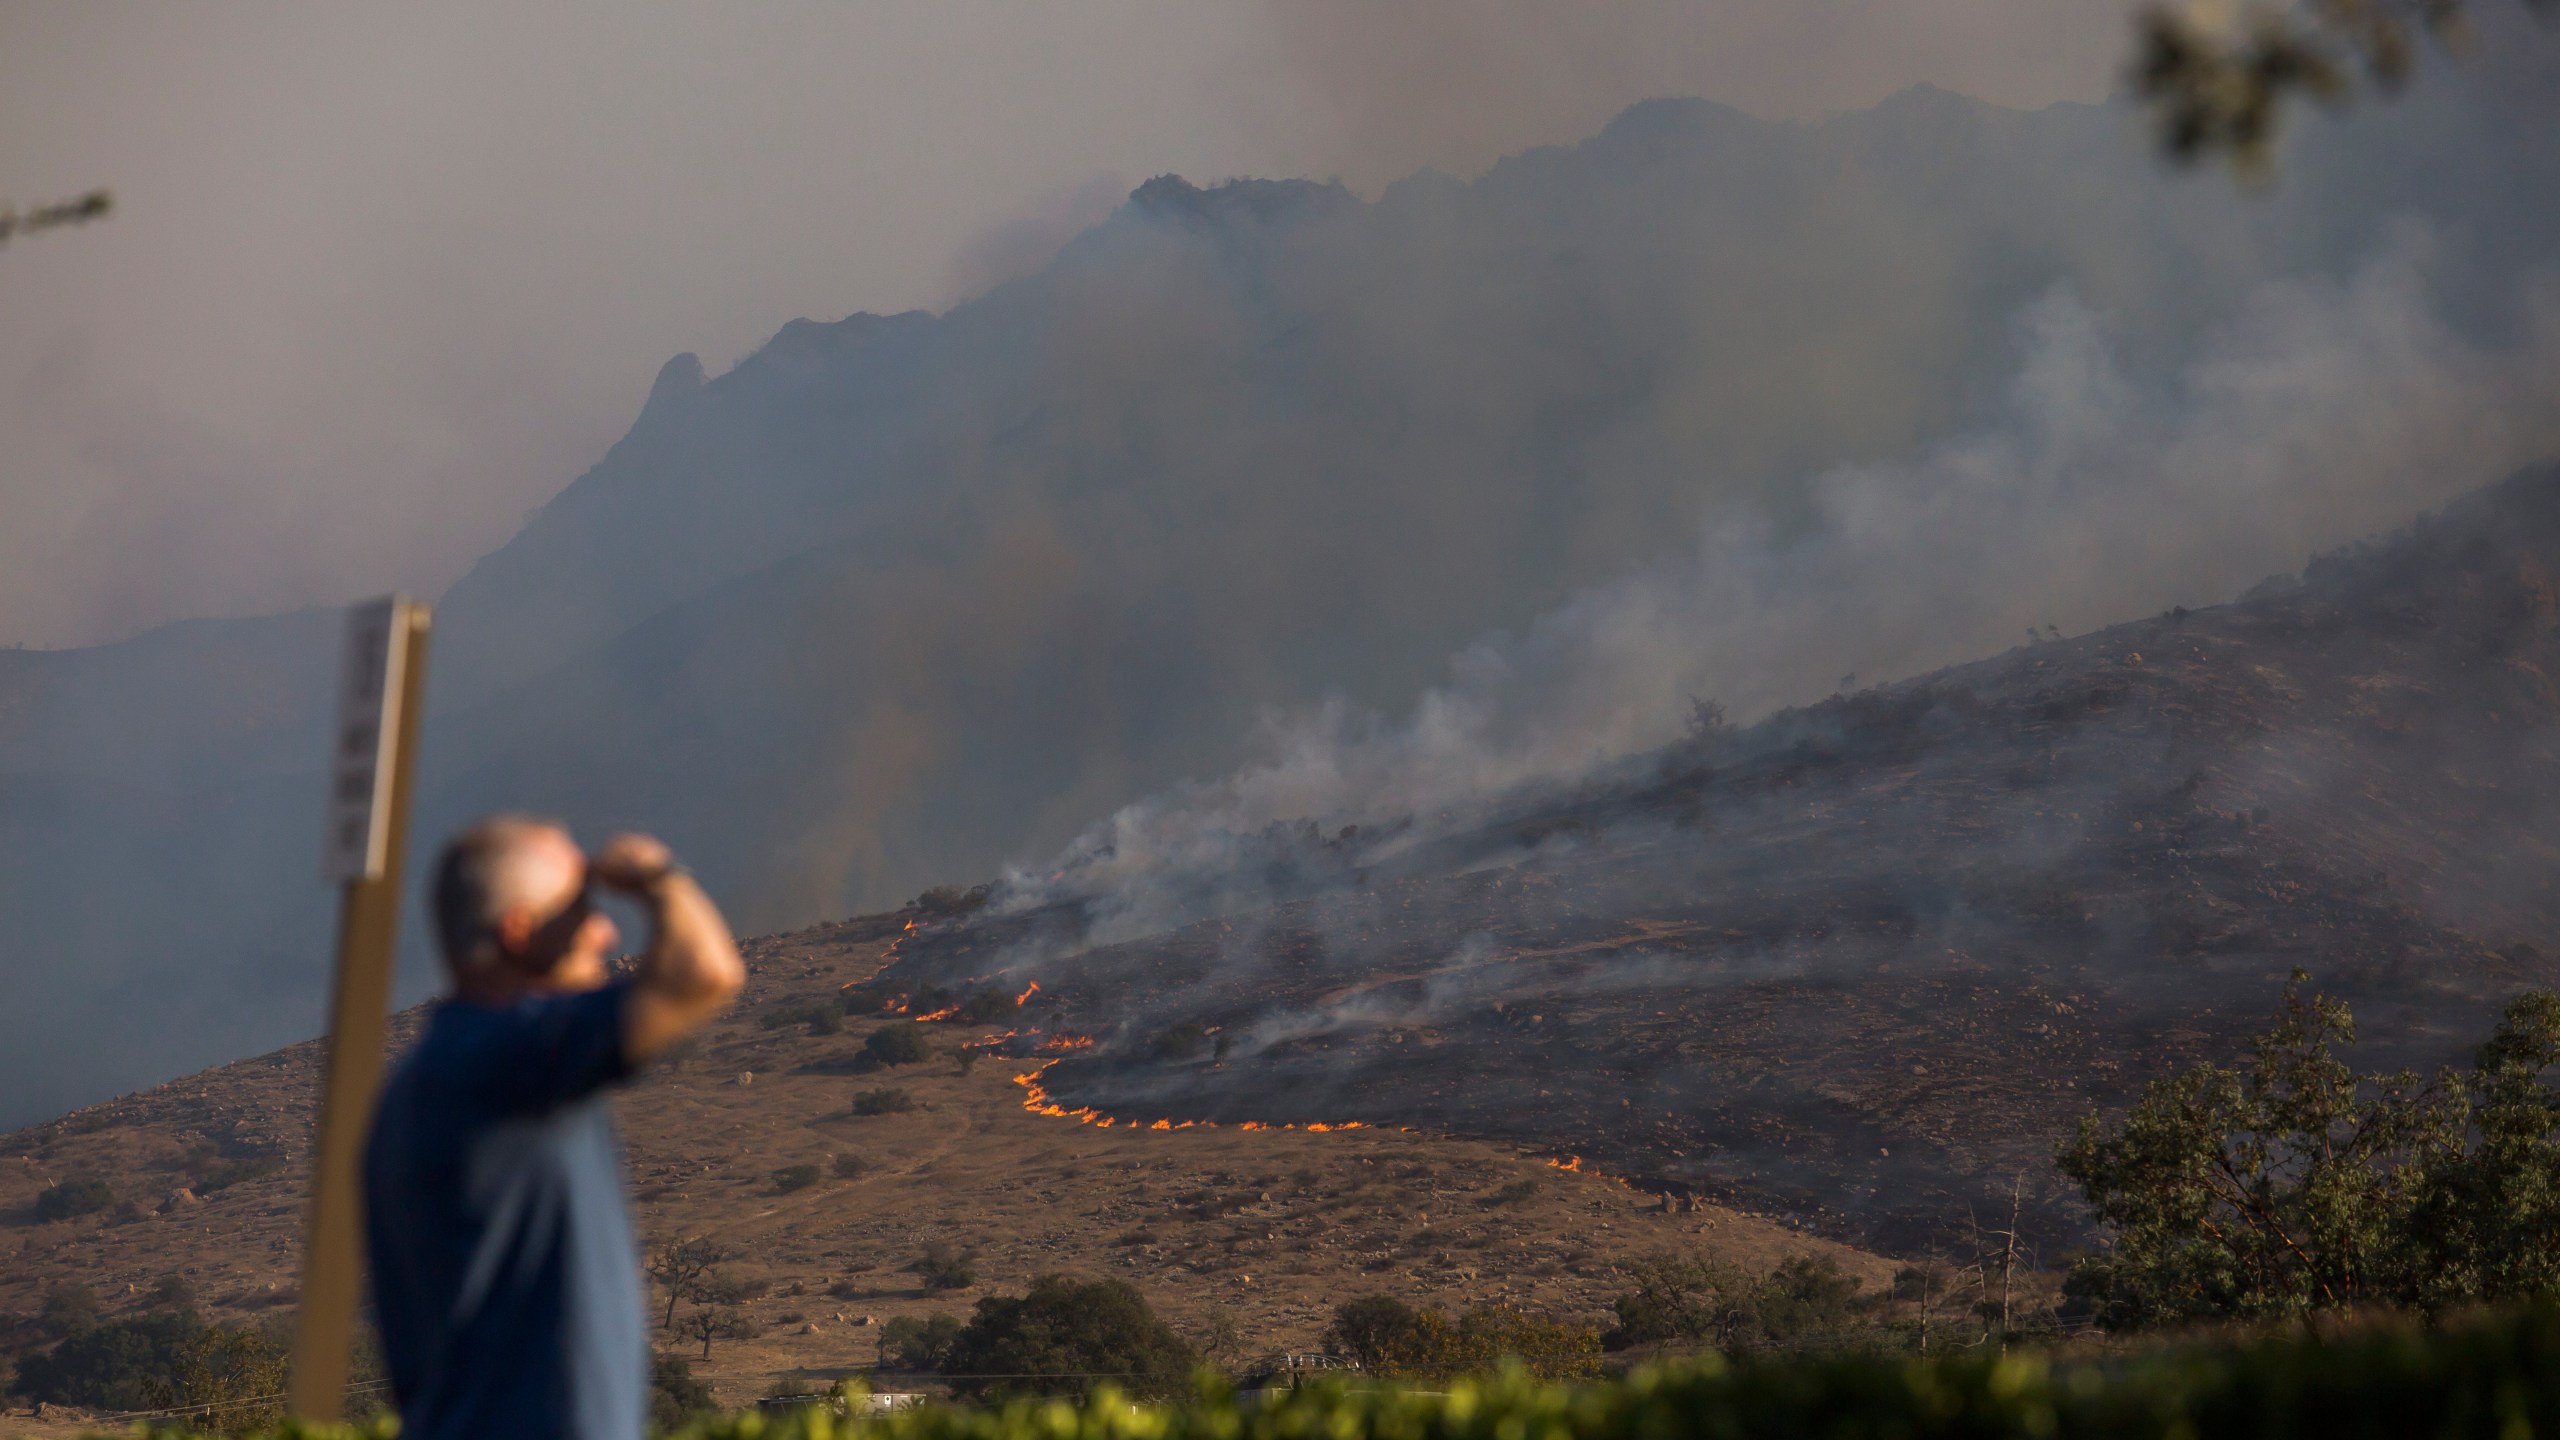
692 970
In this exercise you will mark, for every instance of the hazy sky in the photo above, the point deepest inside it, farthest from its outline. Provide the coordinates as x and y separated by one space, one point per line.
380 279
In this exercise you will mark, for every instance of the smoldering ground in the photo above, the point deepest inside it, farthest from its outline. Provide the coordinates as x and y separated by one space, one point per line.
1867 960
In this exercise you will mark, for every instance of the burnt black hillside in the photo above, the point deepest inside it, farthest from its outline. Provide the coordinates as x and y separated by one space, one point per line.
1867 960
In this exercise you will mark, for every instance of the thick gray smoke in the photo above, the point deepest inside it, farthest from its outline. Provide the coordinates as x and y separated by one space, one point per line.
1379 91
379 280
1703 404
2321 412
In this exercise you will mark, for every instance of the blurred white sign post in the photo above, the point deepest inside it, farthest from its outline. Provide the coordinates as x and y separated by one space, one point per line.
382 684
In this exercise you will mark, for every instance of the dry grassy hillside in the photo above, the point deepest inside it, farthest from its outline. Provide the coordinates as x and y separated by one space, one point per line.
1272 1226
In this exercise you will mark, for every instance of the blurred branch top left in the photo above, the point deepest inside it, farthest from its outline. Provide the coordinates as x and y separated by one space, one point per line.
78 211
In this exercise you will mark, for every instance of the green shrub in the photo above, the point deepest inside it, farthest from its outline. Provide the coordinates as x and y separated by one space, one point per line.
821 1017
897 1043
2294 1184
951 901
883 1102
675 1397
1050 1339
172 1361
1806 1303
794 1177
1372 1329
945 1266
1389 1337
114 1366
73 1197
869 998
71 1307
921 1343
223 1174
2485 1376
986 1007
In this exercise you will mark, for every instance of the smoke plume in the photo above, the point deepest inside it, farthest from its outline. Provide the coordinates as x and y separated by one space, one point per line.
2320 413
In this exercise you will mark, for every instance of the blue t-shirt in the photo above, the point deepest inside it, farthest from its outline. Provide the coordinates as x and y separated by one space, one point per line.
505 1276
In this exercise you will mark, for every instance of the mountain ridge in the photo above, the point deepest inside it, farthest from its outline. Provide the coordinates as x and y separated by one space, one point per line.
902 598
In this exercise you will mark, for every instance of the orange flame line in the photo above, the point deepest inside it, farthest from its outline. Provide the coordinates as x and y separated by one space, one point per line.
888 957
1572 1165
1035 1099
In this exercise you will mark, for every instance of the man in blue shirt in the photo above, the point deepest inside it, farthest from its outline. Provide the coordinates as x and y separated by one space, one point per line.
505 1274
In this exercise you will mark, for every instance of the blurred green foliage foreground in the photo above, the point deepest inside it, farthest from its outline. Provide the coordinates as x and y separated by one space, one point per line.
2489 1375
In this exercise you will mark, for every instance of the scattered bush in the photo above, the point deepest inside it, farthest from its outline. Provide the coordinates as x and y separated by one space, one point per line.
224 1174
1372 1330
1219 1339
794 1177
921 1344
1804 1304
849 1167
985 1008
152 1364
868 999
949 902
1513 1193
675 1397
69 1307
794 1386
945 1266
819 1016
1708 724
1051 1338
1392 1338
237 1371
717 1322
883 1102
72 1198
898 1043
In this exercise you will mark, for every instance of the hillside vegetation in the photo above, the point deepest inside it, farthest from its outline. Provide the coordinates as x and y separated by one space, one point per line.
2490 1378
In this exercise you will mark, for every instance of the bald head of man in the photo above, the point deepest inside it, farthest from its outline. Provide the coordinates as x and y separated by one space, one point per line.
515 911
